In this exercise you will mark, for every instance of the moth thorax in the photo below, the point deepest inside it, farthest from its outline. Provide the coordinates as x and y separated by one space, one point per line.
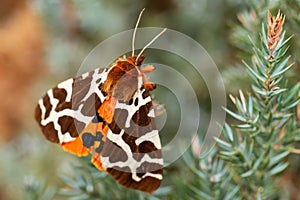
122 81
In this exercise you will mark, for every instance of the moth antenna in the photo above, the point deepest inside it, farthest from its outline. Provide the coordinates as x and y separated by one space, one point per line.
135 28
147 45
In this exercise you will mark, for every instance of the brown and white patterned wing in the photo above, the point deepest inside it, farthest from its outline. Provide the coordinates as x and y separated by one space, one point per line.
65 110
132 151
123 139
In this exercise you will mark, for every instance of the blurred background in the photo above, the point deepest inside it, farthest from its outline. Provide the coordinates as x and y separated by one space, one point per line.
44 42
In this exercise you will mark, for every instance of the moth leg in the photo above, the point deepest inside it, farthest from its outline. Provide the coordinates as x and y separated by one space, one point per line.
147 69
147 84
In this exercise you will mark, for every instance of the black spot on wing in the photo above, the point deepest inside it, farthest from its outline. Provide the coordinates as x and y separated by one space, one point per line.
98 81
130 101
136 101
88 139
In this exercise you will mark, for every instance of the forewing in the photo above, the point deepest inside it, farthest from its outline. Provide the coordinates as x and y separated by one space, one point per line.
67 109
132 150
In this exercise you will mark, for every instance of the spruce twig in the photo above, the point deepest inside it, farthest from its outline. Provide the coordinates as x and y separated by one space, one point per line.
254 151
259 153
275 25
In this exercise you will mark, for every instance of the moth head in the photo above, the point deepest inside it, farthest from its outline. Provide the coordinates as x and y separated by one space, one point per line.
136 61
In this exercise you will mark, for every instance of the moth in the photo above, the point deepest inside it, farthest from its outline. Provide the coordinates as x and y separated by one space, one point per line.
109 114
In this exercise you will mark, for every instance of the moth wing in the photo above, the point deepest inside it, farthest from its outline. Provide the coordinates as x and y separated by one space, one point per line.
132 151
66 110
127 146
